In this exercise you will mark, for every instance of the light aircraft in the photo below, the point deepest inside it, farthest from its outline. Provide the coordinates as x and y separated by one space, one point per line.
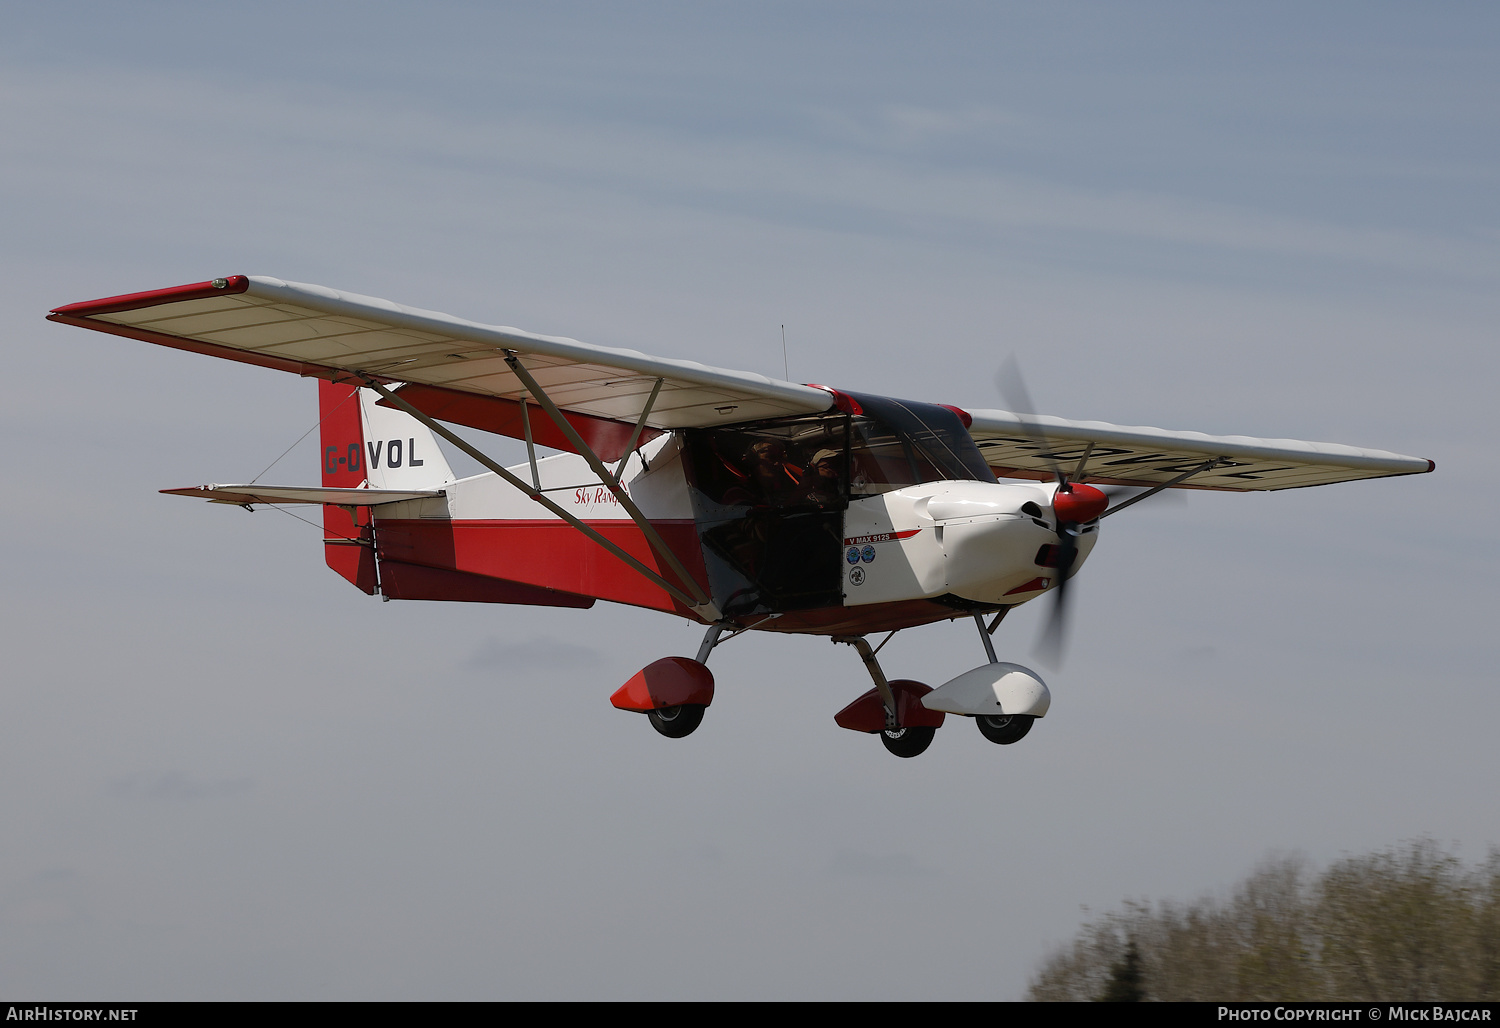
736 501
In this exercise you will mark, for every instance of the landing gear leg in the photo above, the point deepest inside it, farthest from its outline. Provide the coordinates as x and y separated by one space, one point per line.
710 640
985 633
887 697
891 710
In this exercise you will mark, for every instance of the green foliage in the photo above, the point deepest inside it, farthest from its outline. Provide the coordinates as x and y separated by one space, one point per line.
1409 923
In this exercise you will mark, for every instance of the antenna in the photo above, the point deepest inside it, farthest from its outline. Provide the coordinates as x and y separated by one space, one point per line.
784 368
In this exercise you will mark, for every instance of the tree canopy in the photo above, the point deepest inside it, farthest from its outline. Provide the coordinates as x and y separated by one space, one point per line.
1410 923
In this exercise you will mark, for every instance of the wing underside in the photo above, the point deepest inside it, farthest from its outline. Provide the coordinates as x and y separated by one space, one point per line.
311 330
1094 451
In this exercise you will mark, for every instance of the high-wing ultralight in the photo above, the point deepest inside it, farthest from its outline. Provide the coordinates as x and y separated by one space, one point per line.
734 500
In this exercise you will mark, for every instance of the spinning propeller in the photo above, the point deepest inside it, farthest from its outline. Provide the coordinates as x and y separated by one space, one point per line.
1074 504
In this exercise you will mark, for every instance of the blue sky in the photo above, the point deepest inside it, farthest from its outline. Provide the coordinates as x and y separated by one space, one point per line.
226 774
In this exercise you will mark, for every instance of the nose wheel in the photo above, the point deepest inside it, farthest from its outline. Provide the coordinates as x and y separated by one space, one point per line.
1003 729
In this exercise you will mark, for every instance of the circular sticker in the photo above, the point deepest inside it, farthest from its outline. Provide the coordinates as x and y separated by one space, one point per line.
852 556
867 554
857 576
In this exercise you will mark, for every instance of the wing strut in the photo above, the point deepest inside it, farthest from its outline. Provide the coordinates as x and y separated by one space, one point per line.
639 425
605 475
537 495
1207 465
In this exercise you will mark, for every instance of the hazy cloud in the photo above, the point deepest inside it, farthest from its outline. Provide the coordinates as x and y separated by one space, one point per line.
883 865
176 785
551 654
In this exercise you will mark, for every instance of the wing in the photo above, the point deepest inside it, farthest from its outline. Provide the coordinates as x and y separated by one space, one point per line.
458 371
1032 446
457 366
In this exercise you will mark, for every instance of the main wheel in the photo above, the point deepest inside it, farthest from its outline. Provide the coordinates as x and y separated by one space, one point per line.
675 722
1004 728
907 742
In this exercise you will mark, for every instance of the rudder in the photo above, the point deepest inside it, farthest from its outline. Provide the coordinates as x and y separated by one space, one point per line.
348 542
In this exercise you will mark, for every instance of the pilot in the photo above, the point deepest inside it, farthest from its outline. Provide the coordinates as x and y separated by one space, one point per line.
821 484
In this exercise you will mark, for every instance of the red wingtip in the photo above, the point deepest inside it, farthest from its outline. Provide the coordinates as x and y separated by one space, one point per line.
153 297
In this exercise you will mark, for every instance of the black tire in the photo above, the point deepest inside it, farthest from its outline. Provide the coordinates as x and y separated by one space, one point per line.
676 722
907 742
1004 729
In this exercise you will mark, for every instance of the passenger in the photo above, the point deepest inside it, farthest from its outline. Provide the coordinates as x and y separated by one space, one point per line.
777 480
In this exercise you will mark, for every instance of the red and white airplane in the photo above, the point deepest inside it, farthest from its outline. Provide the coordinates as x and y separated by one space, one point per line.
734 500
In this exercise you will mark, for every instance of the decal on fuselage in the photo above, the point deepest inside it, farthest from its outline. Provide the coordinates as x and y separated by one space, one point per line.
880 537
394 453
591 496
333 465
856 554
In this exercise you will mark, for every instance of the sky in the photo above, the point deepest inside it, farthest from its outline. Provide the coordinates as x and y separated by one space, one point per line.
226 774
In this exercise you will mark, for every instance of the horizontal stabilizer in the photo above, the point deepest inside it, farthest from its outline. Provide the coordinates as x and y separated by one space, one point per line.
244 494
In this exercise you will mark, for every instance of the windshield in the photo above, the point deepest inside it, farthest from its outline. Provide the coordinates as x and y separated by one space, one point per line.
897 443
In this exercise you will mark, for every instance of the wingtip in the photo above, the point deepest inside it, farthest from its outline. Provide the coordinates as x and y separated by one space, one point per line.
152 297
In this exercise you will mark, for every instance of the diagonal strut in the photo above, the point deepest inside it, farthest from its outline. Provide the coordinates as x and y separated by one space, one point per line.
597 466
541 498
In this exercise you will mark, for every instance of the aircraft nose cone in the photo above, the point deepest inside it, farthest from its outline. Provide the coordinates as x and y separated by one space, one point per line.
1079 504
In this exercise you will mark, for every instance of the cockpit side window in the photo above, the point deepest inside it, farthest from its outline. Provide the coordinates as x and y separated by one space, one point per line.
788 464
769 501
879 459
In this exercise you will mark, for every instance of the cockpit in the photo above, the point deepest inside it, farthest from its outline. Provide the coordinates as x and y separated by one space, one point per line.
824 460
769 497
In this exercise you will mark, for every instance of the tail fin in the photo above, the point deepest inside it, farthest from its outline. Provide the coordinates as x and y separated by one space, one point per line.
400 453
363 443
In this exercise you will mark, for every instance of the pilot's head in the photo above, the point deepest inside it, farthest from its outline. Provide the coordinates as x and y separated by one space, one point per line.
768 451
825 463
